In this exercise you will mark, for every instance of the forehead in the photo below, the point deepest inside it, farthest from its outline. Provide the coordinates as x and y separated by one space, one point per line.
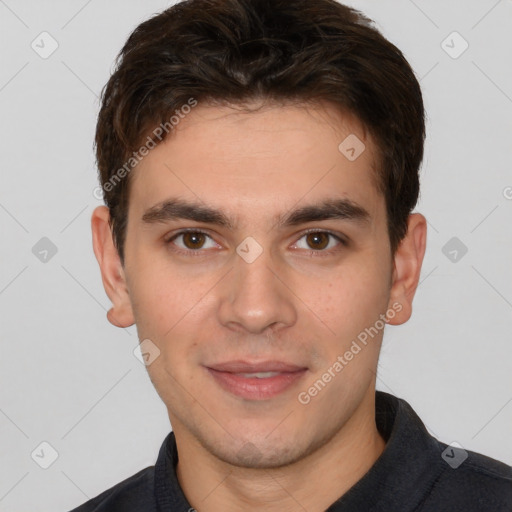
260 156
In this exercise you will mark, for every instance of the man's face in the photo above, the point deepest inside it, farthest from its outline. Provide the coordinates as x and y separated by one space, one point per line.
262 290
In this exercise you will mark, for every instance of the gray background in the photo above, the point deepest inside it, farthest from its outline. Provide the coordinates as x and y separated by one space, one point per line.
71 379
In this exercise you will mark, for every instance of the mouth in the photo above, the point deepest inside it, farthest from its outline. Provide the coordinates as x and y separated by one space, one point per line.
256 381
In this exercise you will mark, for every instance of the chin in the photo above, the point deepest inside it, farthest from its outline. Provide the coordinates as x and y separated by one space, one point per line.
251 457
250 453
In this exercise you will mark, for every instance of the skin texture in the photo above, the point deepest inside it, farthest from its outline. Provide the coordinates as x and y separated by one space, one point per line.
288 305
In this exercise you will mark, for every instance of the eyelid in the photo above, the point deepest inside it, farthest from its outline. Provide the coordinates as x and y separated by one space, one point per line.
333 251
169 239
341 238
338 236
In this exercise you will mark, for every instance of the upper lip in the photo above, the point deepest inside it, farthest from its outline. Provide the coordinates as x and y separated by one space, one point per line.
248 367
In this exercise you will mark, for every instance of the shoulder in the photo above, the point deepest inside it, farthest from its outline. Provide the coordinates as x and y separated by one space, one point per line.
133 494
471 481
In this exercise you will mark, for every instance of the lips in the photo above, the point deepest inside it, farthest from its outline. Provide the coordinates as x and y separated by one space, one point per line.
256 381
264 366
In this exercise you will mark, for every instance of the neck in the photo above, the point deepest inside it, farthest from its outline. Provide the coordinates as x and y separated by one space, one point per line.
312 483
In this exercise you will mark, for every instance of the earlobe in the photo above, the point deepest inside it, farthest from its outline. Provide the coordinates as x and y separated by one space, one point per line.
112 272
407 268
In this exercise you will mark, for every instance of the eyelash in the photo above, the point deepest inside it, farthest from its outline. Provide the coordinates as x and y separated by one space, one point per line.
200 253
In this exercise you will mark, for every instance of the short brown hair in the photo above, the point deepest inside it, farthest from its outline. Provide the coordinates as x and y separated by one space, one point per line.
239 50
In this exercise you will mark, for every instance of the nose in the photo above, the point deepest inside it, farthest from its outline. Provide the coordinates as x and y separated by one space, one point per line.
255 296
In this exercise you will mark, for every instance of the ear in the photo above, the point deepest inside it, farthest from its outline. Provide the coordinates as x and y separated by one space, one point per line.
112 272
407 268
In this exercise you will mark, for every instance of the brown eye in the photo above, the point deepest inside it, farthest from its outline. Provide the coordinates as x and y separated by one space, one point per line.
318 241
193 240
321 243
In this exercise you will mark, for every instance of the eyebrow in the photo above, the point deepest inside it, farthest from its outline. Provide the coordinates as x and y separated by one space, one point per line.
175 209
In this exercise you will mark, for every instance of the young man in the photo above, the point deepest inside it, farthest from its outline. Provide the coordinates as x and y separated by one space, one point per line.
259 161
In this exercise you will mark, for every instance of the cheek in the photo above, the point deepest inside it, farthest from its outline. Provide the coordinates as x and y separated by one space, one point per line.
161 292
351 301
171 308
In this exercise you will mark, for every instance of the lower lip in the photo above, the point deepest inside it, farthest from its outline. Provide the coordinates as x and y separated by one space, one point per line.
254 388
